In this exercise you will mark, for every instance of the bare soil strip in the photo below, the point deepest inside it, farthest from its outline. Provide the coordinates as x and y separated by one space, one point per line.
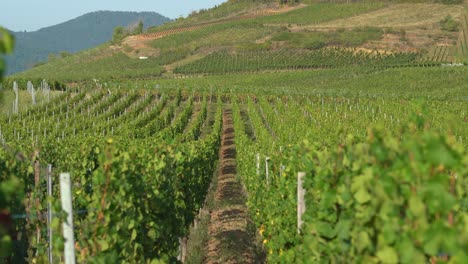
231 235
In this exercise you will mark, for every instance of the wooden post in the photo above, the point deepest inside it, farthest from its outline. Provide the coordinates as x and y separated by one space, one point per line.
49 210
258 163
37 174
301 206
267 159
66 195
182 249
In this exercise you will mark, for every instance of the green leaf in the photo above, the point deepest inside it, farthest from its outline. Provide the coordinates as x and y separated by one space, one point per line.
5 246
362 241
416 206
325 229
406 250
362 196
439 153
7 41
388 255
103 245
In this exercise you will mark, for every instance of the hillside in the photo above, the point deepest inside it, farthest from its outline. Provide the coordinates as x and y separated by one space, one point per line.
250 36
81 33
258 131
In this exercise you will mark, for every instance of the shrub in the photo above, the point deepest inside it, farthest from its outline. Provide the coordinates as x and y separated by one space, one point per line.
449 24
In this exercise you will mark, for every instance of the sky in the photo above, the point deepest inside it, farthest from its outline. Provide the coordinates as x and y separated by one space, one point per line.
31 15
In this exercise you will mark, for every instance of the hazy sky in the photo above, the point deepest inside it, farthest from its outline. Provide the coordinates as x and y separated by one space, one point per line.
30 15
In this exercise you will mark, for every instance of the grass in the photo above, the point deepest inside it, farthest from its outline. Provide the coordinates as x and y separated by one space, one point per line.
399 15
321 12
110 66
222 11
232 33
449 24
318 39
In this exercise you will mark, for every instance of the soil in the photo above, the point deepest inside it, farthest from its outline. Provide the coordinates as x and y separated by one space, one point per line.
230 231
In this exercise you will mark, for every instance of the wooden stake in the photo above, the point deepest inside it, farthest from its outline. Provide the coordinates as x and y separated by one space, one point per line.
301 206
49 210
66 197
258 163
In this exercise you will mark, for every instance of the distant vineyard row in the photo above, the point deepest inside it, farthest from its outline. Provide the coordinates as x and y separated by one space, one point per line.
249 61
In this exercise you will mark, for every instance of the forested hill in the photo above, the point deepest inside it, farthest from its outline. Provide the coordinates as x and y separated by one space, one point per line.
81 33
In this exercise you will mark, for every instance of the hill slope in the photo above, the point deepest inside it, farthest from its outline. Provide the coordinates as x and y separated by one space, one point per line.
83 32
253 36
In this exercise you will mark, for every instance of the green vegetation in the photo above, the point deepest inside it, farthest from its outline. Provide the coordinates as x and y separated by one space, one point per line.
72 36
449 24
341 37
6 47
106 66
139 28
107 168
249 38
419 82
24 98
120 32
393 193
321 12
229 34
9 193
450 2
226 9
380 134
249 61
106 152
462 49
118 35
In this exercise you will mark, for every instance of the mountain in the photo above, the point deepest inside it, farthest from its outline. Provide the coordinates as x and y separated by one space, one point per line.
81 33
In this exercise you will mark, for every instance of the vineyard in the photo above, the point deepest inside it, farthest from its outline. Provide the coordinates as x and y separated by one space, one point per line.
242 36
250 61
253 132
91 136
142 160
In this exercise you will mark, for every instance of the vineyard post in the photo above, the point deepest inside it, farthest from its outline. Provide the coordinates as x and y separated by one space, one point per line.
66 197
37 175
182 249
267 159
49 210
258 163
301 206
15 104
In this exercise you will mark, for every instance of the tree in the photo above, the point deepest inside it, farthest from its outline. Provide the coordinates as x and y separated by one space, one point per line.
119 34
139 28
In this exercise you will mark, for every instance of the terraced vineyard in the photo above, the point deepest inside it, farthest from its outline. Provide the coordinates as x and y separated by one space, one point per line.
142 161
225 62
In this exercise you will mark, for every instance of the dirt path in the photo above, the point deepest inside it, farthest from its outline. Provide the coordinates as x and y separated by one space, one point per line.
231 238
